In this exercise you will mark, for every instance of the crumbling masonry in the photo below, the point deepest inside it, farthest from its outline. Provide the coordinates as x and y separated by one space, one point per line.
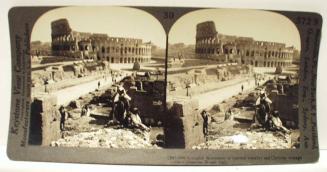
243 50
83 45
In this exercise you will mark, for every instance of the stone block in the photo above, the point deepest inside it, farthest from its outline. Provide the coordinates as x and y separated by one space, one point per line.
44 121
75 104
182 108
45 103
183 126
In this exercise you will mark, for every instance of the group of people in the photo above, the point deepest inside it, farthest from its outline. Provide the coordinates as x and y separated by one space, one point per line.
123 113
265 116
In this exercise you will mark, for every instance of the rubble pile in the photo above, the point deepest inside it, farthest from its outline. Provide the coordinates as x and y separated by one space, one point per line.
248 140
107 138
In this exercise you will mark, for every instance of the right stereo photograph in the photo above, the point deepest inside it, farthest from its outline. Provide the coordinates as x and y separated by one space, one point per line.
232 80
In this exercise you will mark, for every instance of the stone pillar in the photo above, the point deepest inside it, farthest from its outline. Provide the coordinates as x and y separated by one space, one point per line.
45 121
183 126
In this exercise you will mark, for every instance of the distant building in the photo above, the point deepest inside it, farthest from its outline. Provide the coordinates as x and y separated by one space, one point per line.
82 45
243 50
39 48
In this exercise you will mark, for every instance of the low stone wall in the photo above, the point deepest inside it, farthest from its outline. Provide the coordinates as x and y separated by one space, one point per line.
44 121
183 126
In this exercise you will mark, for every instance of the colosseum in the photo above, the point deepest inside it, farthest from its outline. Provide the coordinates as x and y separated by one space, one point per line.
243 50
83 45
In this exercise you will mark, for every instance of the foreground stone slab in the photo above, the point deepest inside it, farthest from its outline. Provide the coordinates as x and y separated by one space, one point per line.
183 126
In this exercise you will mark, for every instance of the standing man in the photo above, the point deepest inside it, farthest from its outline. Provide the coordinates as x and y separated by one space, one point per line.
62 112
242 87
205 116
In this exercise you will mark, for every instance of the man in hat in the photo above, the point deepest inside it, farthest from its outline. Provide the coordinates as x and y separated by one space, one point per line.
263 104
121 97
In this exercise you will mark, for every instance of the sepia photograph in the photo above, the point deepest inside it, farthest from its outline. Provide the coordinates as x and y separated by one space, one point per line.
98 78
232 80
163 85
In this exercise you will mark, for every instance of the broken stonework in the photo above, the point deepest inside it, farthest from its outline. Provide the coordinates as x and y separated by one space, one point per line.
107 138
45 120
183 126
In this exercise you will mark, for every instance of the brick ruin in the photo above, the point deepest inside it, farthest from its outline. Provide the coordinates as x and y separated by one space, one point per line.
82 45
243 50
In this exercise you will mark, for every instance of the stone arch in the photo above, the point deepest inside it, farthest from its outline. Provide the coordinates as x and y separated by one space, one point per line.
247 53
217 51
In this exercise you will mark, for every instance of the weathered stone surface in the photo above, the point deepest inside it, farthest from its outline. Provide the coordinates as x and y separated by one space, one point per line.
248 140
184 107
75 104
107 138
75 114
45 121
224 48
135 50
136 66
183 127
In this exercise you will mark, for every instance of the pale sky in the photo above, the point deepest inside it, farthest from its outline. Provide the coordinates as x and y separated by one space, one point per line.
261 25
114 21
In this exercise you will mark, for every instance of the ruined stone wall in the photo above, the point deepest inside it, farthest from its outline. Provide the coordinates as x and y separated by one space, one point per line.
44 121
152 113
287 105
183 125
244 50
66 42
